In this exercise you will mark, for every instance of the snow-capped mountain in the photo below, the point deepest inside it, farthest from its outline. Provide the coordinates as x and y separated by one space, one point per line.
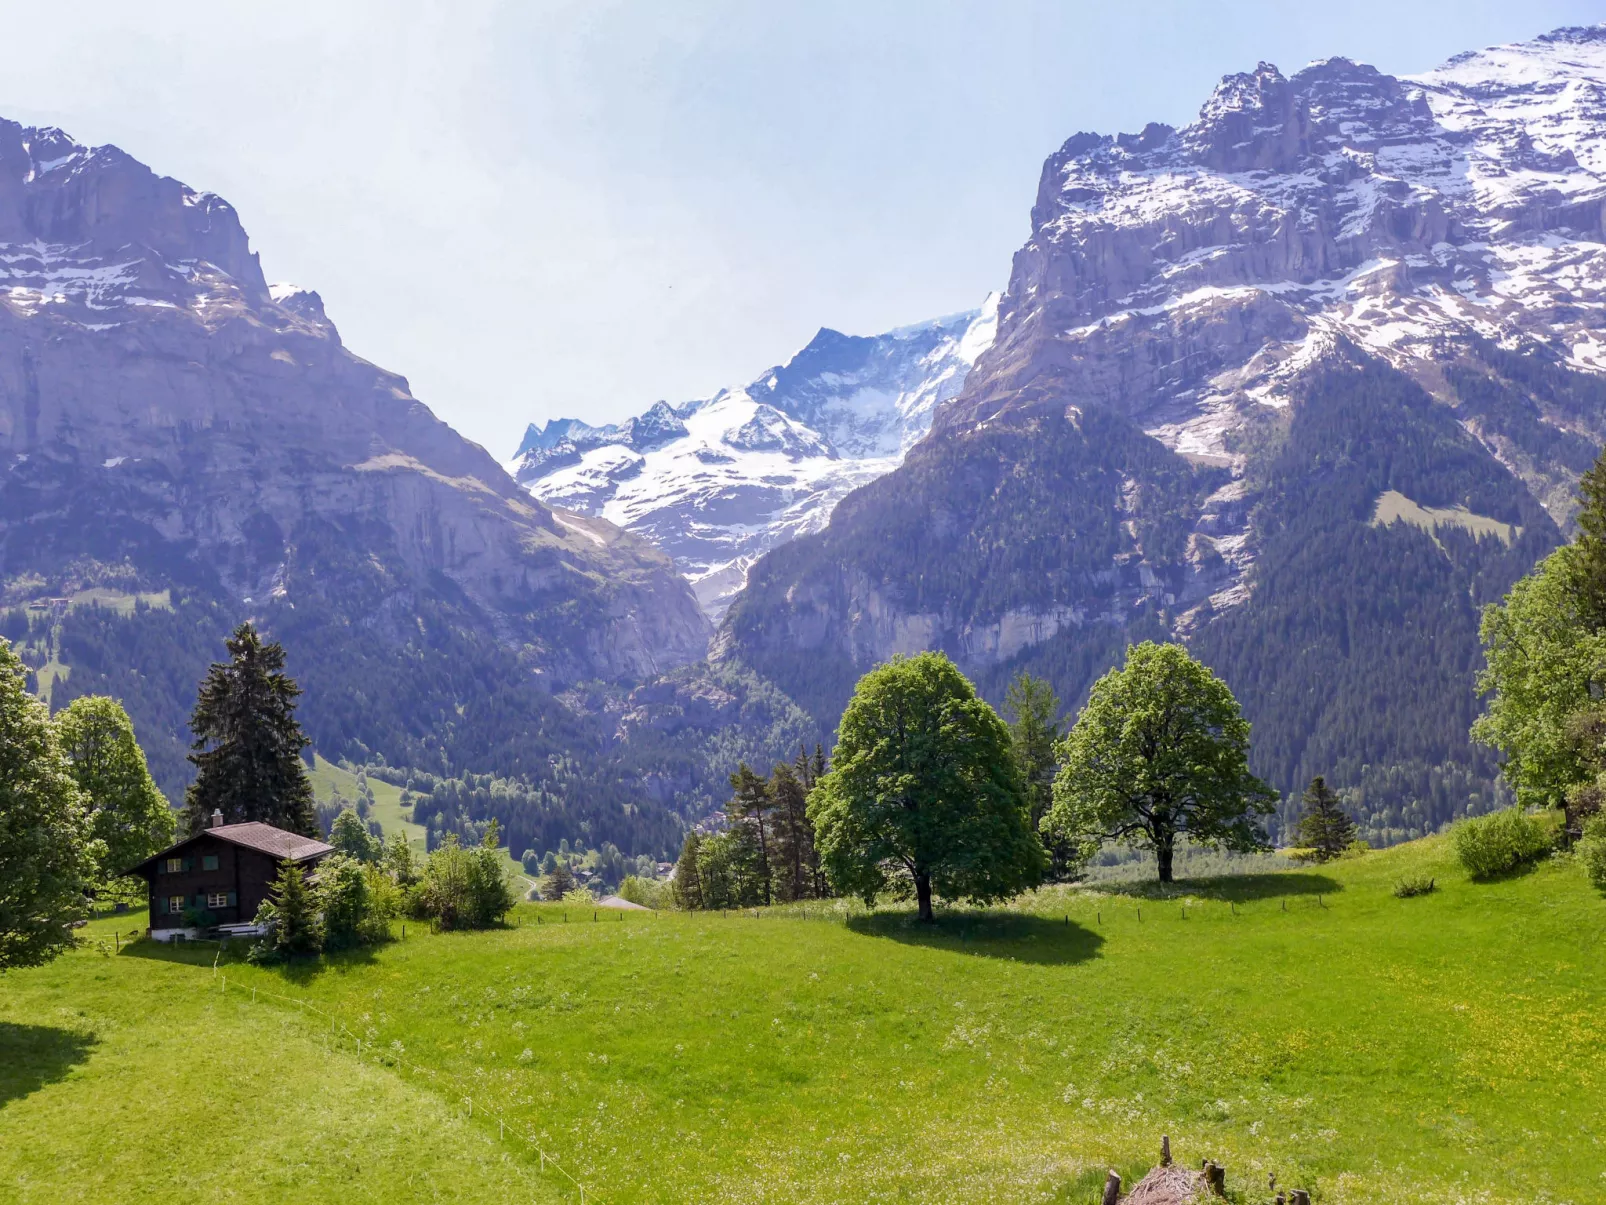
1301 383
719 481
172 425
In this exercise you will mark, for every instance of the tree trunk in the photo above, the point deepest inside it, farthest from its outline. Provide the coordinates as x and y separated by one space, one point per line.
923 894
1163 850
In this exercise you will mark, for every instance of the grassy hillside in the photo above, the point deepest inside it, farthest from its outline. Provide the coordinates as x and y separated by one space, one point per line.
329 779
1447 1047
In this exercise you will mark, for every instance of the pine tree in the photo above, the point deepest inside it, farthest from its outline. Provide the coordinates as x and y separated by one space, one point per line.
1324 827
750 806
1034 729
795 857
558 883
248 744
293 914
688 880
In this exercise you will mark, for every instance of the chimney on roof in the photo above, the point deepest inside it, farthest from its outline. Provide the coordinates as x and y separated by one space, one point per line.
217 817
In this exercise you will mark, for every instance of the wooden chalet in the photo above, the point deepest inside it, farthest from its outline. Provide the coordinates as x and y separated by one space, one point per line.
225 869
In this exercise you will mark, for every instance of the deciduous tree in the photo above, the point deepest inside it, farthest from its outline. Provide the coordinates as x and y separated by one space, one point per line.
128 815
350 836
924 793
1160 750
48 855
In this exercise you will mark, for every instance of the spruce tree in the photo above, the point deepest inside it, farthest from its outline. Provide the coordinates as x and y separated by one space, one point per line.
293 914
688 879
558 883
1324 826
749 809
795 858
248 744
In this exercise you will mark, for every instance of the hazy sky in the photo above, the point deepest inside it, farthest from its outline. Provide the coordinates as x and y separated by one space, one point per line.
550 209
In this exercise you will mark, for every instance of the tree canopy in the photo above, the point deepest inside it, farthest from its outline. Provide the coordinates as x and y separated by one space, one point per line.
48 855
1160 750
1545 651
128 815
247 742
924 794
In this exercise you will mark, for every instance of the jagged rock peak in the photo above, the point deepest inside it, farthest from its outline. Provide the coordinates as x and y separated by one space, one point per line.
57 192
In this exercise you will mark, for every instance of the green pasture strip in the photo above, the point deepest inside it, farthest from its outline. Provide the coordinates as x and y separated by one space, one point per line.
1304 1023
127 1078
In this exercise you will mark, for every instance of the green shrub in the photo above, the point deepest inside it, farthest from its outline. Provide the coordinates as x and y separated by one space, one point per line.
468 888
1501 841
1419 884
649 893
1592 850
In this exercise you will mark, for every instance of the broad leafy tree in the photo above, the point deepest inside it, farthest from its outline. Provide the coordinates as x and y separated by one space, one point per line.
1545 651
48 854
350 836
924 794
1160 751
1324 826
128 815
247 742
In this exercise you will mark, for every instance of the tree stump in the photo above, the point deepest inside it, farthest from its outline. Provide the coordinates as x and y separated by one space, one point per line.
1299 1197
1112 1189
1216 1178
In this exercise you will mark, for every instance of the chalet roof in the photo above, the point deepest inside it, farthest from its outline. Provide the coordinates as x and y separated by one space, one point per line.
264 838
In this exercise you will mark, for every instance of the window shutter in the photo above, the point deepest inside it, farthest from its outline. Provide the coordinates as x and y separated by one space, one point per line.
232 903
189 864
200 899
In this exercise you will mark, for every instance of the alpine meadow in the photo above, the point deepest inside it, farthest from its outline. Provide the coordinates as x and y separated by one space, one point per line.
1138 740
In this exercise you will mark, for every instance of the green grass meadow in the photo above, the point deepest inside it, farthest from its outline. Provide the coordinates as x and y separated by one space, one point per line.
1445 1048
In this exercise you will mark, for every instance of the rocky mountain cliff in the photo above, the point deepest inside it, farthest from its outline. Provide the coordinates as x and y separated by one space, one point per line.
1302 383
171 423
719 481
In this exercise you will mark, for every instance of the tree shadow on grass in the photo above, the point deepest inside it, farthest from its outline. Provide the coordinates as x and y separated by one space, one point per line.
1241 888
1017 936
32 1056
206 953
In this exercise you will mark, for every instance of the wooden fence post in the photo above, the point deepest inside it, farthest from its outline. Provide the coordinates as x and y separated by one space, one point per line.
1112 1189
1165 1150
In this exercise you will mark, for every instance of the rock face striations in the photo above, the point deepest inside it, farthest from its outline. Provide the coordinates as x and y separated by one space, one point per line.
169 420
719 481
1301 383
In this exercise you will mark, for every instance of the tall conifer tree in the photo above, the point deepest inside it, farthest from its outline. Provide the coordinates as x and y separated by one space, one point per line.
688 878
1324 827
247 742
750 808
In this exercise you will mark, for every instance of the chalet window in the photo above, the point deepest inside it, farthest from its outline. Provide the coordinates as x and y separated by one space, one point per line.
219 899
173 866
175 905
208 861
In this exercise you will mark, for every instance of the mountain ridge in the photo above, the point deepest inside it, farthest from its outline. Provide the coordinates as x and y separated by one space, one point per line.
1193 303
718 481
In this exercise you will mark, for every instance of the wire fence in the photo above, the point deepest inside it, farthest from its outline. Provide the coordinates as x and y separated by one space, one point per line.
339 1033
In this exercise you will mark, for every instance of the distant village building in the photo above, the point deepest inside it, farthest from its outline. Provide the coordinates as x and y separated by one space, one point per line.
227 870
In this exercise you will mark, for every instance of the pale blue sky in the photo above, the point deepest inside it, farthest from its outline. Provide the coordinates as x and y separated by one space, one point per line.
551 209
